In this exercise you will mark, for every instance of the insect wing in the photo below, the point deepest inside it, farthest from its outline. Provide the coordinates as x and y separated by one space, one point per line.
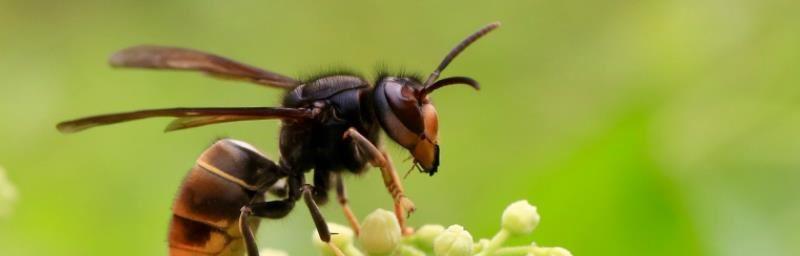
162 57
187 117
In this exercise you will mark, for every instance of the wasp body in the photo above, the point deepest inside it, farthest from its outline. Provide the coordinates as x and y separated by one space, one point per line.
330 124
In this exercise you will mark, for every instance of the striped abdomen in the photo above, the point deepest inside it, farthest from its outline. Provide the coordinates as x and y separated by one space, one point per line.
206 210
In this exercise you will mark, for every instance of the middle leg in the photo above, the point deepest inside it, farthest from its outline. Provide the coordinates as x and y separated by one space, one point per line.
319 221
322 182
341 195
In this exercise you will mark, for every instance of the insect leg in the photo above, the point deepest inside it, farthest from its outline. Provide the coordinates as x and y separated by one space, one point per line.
379 158
341 195
271 210
247 233
319 221
322 181
278 208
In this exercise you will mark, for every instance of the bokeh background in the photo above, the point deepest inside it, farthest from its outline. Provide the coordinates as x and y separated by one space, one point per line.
636 127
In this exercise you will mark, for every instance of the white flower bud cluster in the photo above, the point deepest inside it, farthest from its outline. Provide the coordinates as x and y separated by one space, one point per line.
454 241
380 233
8 194
381 236
520 218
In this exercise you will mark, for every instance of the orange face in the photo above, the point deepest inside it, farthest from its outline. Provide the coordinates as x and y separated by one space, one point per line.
410 120
406 113
426 151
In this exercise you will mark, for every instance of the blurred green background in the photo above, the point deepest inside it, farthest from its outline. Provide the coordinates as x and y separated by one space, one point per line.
636 127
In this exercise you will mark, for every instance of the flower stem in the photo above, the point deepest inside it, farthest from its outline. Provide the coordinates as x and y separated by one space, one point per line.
351 250
407 250
516 250
495 243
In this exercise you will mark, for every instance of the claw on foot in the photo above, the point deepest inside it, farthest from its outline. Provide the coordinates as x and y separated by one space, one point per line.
408 206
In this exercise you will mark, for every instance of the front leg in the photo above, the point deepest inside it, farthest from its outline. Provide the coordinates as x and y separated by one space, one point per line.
379 158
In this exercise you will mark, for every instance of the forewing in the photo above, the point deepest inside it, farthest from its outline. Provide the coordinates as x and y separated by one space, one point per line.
187 117
162 57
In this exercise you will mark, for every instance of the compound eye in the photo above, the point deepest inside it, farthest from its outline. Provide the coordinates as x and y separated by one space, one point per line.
404 105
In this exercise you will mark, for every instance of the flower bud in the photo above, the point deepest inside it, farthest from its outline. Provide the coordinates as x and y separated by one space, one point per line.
342 237
8 194
455 241
520 218
380 233
426 234
272 252
558 251
549 251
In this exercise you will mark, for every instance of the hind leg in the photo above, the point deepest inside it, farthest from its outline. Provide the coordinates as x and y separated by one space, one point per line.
270 210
